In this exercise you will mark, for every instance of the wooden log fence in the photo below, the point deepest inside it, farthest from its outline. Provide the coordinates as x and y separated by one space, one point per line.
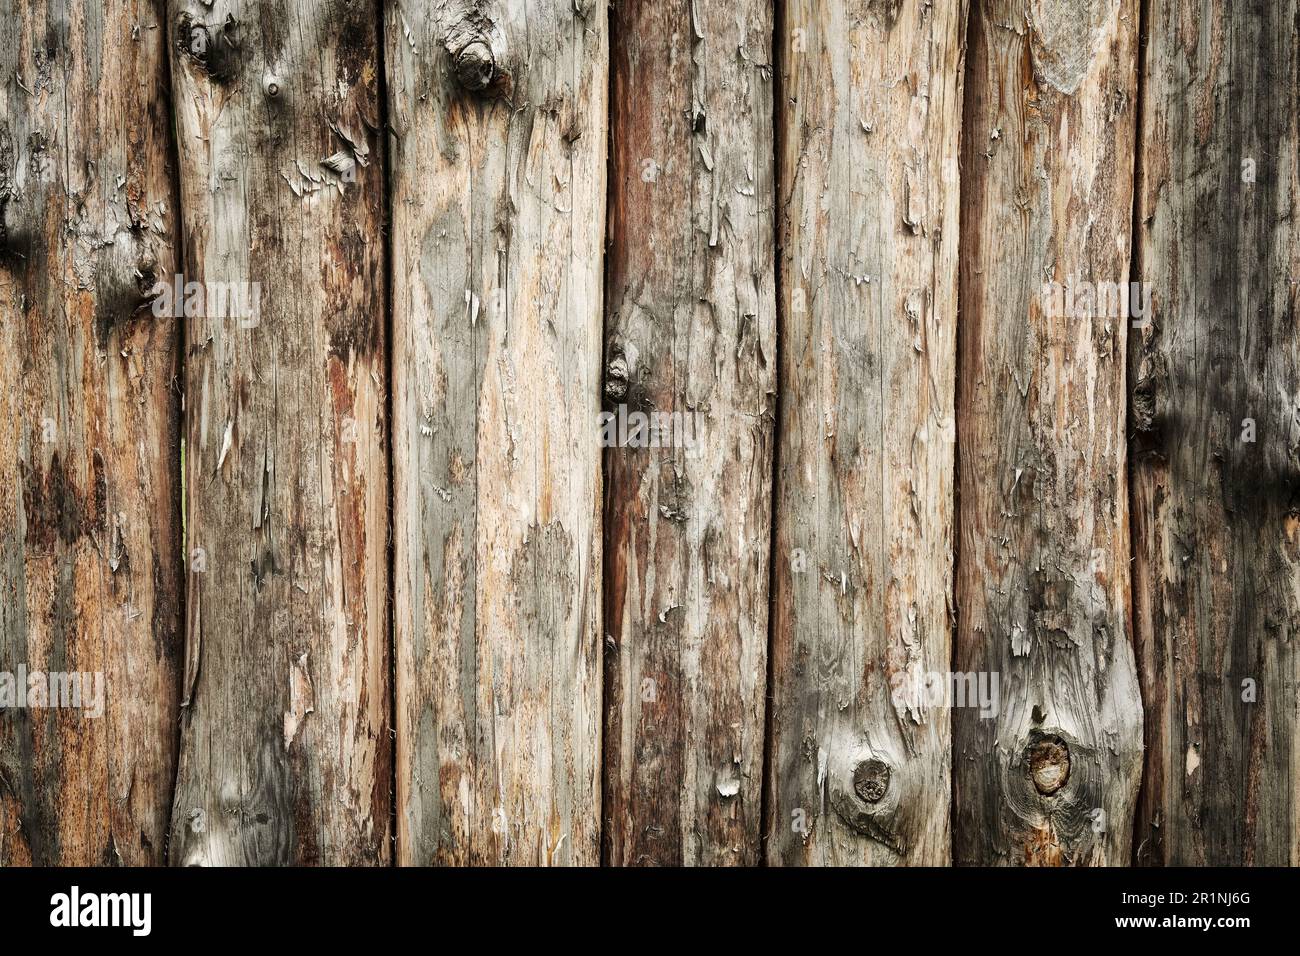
676 432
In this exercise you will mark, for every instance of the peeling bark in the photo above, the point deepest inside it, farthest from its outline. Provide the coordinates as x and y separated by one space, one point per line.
285 752
1043 572
89 507
867 174
499 143
691 328
1216 435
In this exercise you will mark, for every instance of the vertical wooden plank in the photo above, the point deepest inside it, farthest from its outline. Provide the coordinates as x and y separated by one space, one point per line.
499 144
1049 774
89 507
1216 458
868 125
690 335
285 740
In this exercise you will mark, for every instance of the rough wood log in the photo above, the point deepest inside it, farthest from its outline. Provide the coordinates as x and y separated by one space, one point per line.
1215 419
1048 775
286 748
868 124
690 336
89 411
499 148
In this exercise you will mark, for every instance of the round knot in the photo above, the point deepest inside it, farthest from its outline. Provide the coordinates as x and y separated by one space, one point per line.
1049 764
871 780
475 66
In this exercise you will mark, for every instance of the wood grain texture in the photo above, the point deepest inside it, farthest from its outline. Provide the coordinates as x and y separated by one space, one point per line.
89 505
285 753
690 329
868 135
1050 775
499 148
1217 516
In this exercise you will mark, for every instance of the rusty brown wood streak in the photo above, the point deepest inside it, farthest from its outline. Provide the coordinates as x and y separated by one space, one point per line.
285 738
1215 419
499 137
89 510
1048 774
690 334
868 219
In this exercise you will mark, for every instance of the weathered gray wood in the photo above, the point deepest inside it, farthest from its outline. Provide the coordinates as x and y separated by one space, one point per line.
868 133
499 143
285 740
690 330
89 506
1049 775
1215 416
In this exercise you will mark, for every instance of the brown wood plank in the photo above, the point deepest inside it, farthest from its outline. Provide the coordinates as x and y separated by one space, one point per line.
690 334
286 747
868 129
1214 412
89 467
499 147
1049 774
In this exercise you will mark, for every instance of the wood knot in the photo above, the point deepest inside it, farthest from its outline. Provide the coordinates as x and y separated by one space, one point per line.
214 50
475 66
1146 412
476 47
1049 764
616 379
886 11
871 780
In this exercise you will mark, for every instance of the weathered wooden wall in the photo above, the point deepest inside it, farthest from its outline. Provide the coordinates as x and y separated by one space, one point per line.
373 580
